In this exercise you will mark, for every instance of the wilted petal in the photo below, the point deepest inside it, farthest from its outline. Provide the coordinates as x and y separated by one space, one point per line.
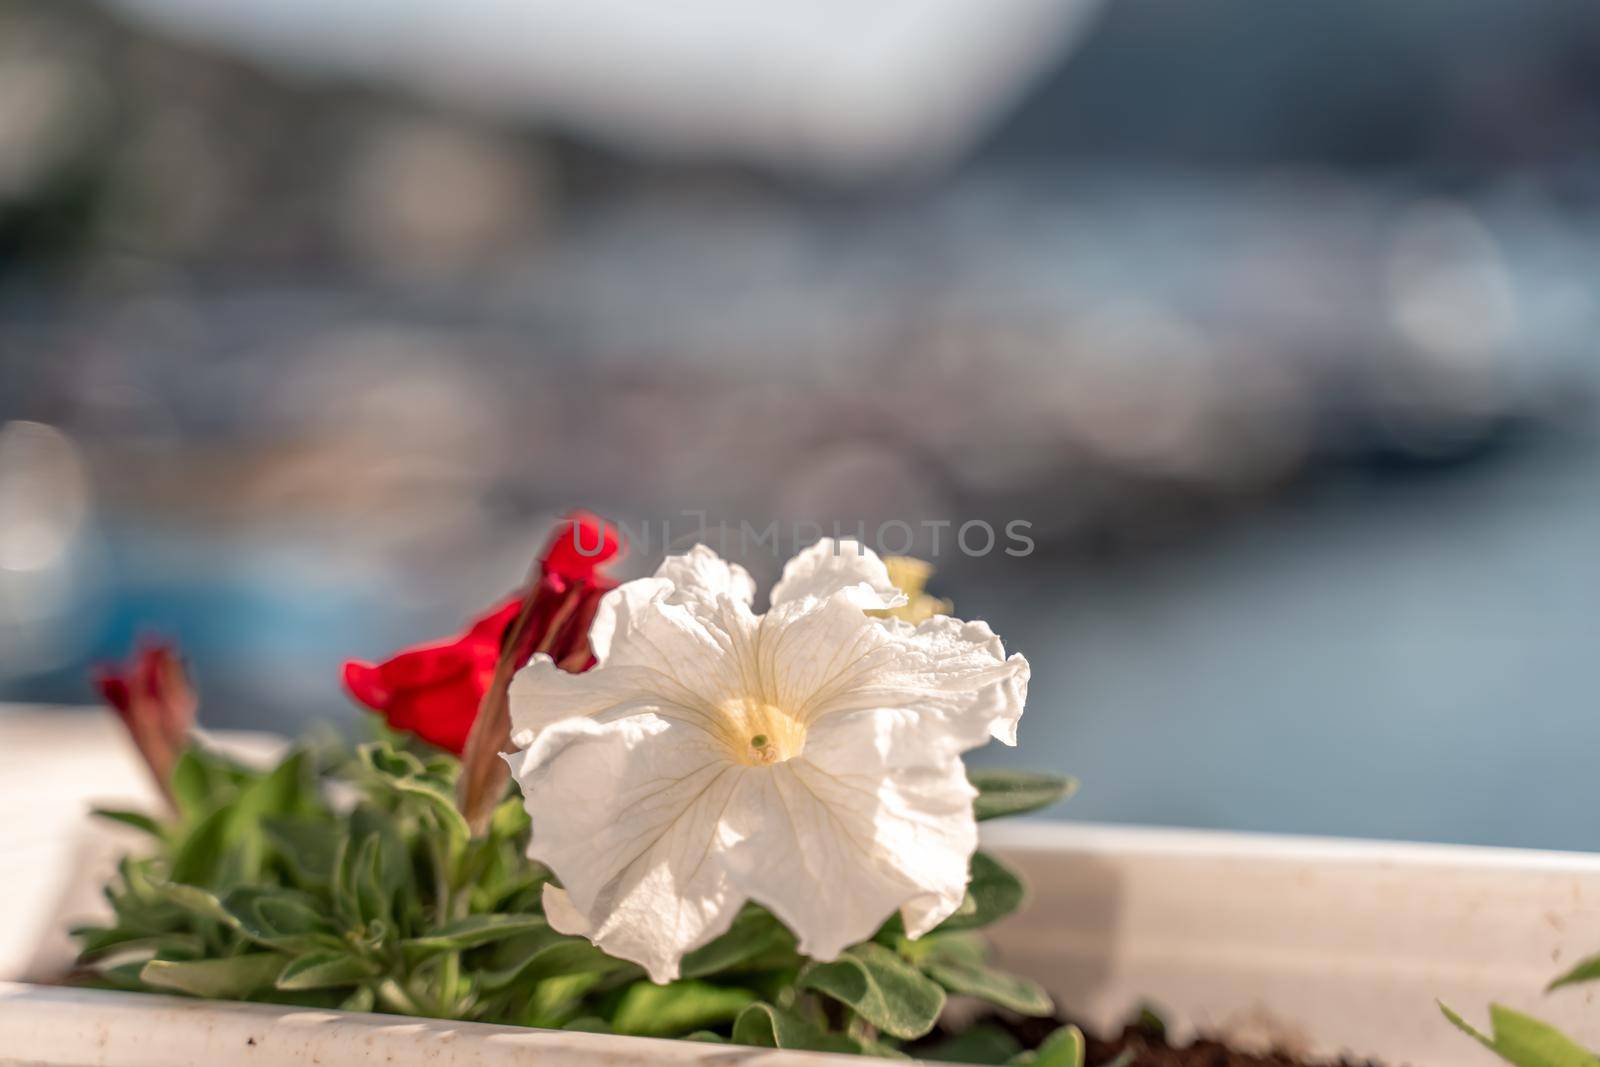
844 568
638 836
876 816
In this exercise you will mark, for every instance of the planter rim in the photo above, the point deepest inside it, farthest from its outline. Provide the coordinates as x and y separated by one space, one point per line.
1048 835
65 1027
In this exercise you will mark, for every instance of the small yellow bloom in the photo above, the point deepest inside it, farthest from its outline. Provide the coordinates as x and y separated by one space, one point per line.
910 575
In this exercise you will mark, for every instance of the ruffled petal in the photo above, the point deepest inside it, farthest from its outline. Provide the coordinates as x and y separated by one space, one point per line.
838 568
943 667
702 575
875 816
679 660
639 836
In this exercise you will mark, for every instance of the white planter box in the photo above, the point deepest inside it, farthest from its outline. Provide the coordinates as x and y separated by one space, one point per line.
1322 946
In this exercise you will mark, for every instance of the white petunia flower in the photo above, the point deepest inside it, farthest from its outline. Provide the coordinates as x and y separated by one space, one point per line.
808 759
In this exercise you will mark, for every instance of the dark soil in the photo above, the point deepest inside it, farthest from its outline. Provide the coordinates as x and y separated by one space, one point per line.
1144 1044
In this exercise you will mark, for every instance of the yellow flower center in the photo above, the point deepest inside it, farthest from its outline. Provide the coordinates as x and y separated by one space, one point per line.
758 734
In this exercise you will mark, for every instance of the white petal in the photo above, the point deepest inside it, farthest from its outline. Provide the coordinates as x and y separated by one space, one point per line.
838 568
953 671
872 818
629 816
701 574
564 916
542 693
674 659
620 605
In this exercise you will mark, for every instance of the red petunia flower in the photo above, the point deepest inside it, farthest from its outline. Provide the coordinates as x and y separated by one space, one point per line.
434 690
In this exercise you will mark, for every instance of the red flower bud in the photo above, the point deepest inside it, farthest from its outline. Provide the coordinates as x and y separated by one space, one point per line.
435 690
153 699
580 543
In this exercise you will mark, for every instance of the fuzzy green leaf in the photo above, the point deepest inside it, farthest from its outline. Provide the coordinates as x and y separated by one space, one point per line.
650 1010
753 937
191 783
1525 1041
307 846
324 970
764 1026
710 1037
223 979
1064 1048
99 944
438 800
589 1024
880 987
1005 990
993 893
136 819
284 919
373 868
983 1043
362 1000
1587 970
200 856
549 955
476 930
1003 792
196 901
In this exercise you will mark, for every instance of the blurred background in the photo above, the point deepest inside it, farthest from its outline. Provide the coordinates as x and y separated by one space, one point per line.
1278 323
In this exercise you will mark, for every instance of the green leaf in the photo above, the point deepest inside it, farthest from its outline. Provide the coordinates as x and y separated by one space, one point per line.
650 1010
1586 971
403 773
191 783
224 979
590 1024
880 987
1005 990
510 821
362 1000
1525 1041
227 846
993 893
1064 1048
753 937
438 800
99 944
281 918
374 867
200 855
764 1026
307 847
137 820
196 901
323 970
477 930
1003 792
551 956
983 1043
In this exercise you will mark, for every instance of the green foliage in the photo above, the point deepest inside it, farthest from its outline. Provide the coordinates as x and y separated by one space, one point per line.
349 880
1003 792
1064 1048
1525 1041
881 987
1587 970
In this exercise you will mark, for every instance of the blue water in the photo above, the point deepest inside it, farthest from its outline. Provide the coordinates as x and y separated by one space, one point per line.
1417 661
